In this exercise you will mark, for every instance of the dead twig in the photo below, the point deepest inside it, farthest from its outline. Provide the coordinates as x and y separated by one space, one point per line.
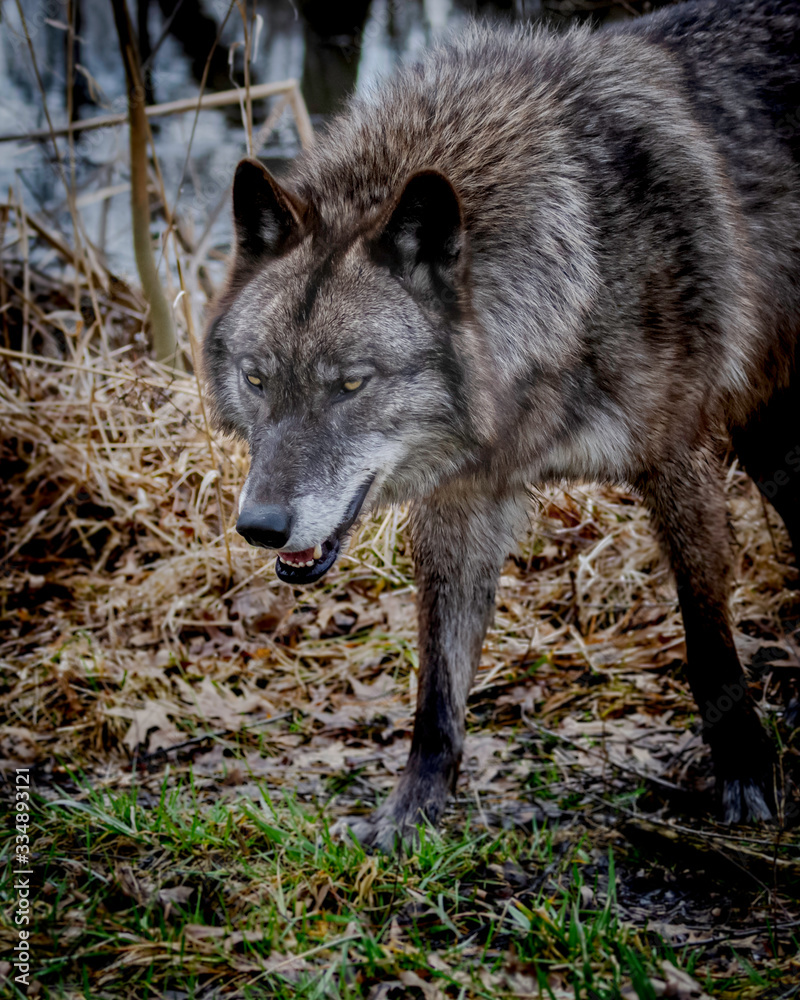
165 344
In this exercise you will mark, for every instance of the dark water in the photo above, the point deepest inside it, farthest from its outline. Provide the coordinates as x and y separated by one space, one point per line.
332 48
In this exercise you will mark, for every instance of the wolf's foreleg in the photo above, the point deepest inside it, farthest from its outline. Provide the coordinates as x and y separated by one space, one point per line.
686 498
460 543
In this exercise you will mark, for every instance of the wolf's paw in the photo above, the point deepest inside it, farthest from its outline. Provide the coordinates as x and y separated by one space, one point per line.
745 766
746 788
747 800
389 829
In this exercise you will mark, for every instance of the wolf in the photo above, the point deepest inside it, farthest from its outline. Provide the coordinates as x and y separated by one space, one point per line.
530 257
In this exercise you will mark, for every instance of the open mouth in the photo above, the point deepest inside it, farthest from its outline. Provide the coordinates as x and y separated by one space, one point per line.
312 564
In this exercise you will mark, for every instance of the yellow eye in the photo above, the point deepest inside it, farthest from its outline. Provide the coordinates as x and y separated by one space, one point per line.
254 380
353 383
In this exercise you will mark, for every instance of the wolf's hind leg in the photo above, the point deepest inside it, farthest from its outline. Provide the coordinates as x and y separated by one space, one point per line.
769 449
686 498
460 543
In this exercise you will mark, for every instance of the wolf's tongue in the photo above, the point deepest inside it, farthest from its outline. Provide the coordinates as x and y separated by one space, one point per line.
297 557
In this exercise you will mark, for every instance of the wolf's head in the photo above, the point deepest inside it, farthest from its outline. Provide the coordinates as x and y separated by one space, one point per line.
338 351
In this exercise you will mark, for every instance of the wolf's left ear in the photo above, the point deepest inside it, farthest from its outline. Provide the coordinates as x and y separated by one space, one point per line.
268 219
423 241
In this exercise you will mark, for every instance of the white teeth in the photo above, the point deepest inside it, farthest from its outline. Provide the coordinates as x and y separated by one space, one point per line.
288 561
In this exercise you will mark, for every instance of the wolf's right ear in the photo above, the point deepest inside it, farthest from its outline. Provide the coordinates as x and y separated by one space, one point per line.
267 218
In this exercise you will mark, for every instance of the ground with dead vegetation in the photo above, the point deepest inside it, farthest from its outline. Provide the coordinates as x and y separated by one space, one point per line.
193 727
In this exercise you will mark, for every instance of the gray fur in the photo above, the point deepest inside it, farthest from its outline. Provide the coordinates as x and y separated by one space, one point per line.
546 257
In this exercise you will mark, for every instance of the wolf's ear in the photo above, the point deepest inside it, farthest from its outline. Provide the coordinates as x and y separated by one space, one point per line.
423 241
268 219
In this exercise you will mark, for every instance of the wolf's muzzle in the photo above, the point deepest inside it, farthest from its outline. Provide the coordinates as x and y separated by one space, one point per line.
307 566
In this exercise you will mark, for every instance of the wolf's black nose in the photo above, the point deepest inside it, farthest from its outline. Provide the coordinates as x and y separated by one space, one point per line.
268 526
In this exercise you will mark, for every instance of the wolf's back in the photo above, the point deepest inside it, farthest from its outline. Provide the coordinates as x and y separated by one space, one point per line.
742 63
595 169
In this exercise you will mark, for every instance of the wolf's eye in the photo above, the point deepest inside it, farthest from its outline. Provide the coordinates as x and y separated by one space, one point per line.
350 386
254 380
